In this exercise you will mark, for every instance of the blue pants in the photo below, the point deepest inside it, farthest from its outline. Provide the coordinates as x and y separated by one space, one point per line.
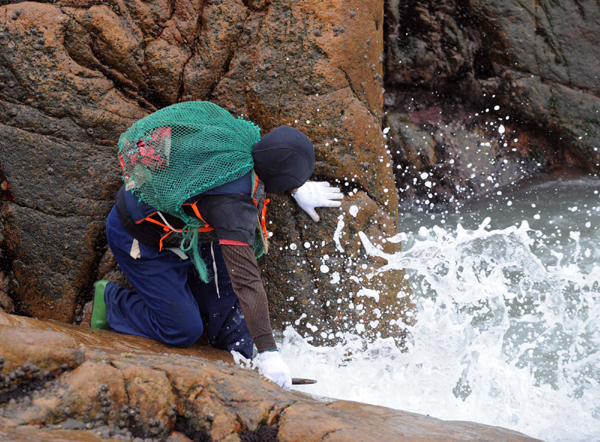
169 303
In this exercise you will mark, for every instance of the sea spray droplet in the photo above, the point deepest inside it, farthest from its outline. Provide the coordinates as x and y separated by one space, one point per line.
338 233
324 268
369 293
293 246
501 129
353 210
464 285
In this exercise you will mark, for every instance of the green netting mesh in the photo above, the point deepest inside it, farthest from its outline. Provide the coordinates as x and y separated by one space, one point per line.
184 150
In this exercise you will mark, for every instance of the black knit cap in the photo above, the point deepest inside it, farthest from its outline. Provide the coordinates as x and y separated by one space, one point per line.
283 159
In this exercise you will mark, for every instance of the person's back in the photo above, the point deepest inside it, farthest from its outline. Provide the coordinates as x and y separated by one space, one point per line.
192 185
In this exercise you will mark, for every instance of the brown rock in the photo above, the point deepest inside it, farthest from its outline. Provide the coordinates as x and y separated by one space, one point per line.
331 95
178 437
92 388
82 72
455 70
34 346
53 221
4 282
6 303
45 334
149 390
343 421
86 314
145 392
107 264
32 434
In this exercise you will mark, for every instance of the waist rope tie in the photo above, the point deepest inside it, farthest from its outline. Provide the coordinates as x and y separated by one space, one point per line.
212 252
189 245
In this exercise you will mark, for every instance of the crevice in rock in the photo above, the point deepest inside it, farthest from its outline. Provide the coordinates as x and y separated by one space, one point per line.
328 433
464 15
130 417
193 48
225 71
483 68
181 90
410 24
250 4
265 433
54 124
580 8
534 14
7 256
145 96
5 189
351 86
227 65
191 429
53 213
172 6
281 91
282 412
23 381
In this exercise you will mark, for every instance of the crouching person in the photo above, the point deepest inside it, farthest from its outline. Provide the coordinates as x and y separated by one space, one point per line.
188 225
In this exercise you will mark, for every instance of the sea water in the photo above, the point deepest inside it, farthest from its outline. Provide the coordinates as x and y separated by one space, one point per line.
507 329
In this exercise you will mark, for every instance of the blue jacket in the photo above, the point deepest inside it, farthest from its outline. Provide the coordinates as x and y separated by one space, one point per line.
139 210
229 209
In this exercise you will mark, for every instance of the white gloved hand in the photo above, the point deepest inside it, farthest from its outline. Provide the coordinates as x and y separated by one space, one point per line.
272 367
317 194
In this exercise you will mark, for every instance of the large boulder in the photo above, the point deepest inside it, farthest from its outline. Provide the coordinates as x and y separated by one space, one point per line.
75 74
59 382
481 94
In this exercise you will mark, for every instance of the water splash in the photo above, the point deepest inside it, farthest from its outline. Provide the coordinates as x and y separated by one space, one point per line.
507 333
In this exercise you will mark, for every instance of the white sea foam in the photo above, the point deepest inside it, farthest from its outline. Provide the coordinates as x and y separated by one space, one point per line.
507 329
507 334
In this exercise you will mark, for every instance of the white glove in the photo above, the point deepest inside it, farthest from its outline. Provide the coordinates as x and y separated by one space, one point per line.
317 194
272 367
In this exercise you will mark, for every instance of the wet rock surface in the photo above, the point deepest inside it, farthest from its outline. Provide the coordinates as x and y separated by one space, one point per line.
483 94
63 383
75 74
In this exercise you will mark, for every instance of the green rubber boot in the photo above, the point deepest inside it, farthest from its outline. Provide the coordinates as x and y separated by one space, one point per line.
99 309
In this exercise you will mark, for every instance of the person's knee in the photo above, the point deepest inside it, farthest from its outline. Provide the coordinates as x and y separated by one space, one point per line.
184 333
185 337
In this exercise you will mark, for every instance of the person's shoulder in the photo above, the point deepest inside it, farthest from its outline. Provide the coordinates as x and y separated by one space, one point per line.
241 186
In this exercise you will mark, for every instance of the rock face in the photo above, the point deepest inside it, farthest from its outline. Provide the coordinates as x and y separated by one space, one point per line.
61 383
479 94
484 93
75 74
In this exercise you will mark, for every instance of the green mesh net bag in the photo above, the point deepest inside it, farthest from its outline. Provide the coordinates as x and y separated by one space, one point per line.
181 151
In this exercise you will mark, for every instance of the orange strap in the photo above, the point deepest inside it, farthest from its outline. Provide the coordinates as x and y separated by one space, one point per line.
170 230
263 216
164 226
207 227
255 185
161 240
147 218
